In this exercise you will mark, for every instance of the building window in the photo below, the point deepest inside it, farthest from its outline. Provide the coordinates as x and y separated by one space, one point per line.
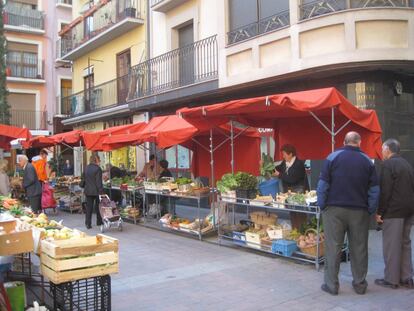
248 19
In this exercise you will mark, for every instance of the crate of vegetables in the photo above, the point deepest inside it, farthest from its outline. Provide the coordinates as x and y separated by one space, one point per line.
76 259
309 244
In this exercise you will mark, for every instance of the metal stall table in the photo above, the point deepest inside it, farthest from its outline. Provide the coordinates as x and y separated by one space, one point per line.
237 209
153 221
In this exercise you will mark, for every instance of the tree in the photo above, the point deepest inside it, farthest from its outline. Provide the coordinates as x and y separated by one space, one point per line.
4 106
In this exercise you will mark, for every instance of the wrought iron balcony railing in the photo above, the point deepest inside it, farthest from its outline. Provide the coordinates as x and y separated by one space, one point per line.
24 67
322 7
155 2
191 64
16 16
105 95
103 18
262 26
34 120
69 2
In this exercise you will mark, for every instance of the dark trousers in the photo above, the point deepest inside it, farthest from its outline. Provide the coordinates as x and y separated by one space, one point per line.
36 203
396 244
355 223
92 205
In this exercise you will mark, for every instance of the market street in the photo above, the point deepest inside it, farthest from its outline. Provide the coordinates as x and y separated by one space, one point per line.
162 271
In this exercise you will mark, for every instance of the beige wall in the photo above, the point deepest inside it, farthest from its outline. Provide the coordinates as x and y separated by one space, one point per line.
203 14
343 37
106 70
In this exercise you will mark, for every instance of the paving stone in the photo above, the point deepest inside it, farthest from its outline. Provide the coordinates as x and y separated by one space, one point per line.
162 271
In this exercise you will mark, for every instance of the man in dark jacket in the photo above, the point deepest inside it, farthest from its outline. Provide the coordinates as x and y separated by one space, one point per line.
93 188
348 193
395 213
31 184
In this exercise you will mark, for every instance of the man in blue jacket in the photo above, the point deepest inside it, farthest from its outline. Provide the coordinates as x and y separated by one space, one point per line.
348 192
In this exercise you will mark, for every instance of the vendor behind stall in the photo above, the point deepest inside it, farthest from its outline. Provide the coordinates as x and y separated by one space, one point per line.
165 172
150 170
292 173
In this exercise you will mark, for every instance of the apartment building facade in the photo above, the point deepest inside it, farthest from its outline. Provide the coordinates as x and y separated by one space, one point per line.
103 40
364 48
24 29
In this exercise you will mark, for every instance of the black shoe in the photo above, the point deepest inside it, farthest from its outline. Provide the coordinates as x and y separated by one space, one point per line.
409 284
383 283
360 288
326 289
88 227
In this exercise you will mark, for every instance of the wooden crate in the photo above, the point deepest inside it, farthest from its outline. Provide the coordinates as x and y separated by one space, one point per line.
16 243
76 259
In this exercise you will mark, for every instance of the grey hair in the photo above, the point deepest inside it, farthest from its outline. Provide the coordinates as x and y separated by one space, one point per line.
352 138
393 145
23 157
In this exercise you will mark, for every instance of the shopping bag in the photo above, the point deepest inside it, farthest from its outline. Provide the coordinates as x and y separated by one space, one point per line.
106 207
48 201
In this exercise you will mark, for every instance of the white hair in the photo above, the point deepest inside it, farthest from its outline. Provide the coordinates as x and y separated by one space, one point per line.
23 157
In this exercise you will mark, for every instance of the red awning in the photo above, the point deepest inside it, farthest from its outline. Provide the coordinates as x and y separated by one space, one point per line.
164 131
9 133
94 140
72 138
294 117
39 142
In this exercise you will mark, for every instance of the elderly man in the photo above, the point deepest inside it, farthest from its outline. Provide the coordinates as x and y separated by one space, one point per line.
348 193
396 214
31 184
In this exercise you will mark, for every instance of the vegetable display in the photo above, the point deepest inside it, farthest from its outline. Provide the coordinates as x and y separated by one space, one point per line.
183 181
267 166
246 181
227 183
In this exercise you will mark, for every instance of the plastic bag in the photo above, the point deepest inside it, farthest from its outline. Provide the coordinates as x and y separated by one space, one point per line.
48 201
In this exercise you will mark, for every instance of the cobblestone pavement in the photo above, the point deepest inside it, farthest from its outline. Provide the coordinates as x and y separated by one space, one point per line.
162 271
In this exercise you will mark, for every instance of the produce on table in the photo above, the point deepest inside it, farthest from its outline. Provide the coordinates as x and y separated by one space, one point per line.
293 235
246 181
183 181
309 239
267 167
296 199
312 224
63 234
126 180
227 183
8 203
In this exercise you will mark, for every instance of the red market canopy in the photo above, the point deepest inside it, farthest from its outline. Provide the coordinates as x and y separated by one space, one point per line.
39 142
94 140
9 133
72 138
164 131
295 117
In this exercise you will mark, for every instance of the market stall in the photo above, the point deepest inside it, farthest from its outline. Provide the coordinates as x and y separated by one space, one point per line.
68 259
9 133
324 117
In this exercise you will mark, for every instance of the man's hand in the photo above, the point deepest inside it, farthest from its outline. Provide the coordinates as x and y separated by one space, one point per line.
276 173
379 219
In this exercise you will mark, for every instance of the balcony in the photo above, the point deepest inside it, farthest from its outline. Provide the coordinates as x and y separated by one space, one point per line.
22 19
103 96
101 24
164 6
318 8
24 69
64 3
34 120
260 27
192 64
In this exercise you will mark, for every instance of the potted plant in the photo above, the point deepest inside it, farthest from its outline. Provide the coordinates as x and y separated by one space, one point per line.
246 185
268 185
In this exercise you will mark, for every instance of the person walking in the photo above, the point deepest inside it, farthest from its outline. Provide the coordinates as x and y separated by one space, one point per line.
4 179
396 214
31 184
92 189
40 165
348 192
